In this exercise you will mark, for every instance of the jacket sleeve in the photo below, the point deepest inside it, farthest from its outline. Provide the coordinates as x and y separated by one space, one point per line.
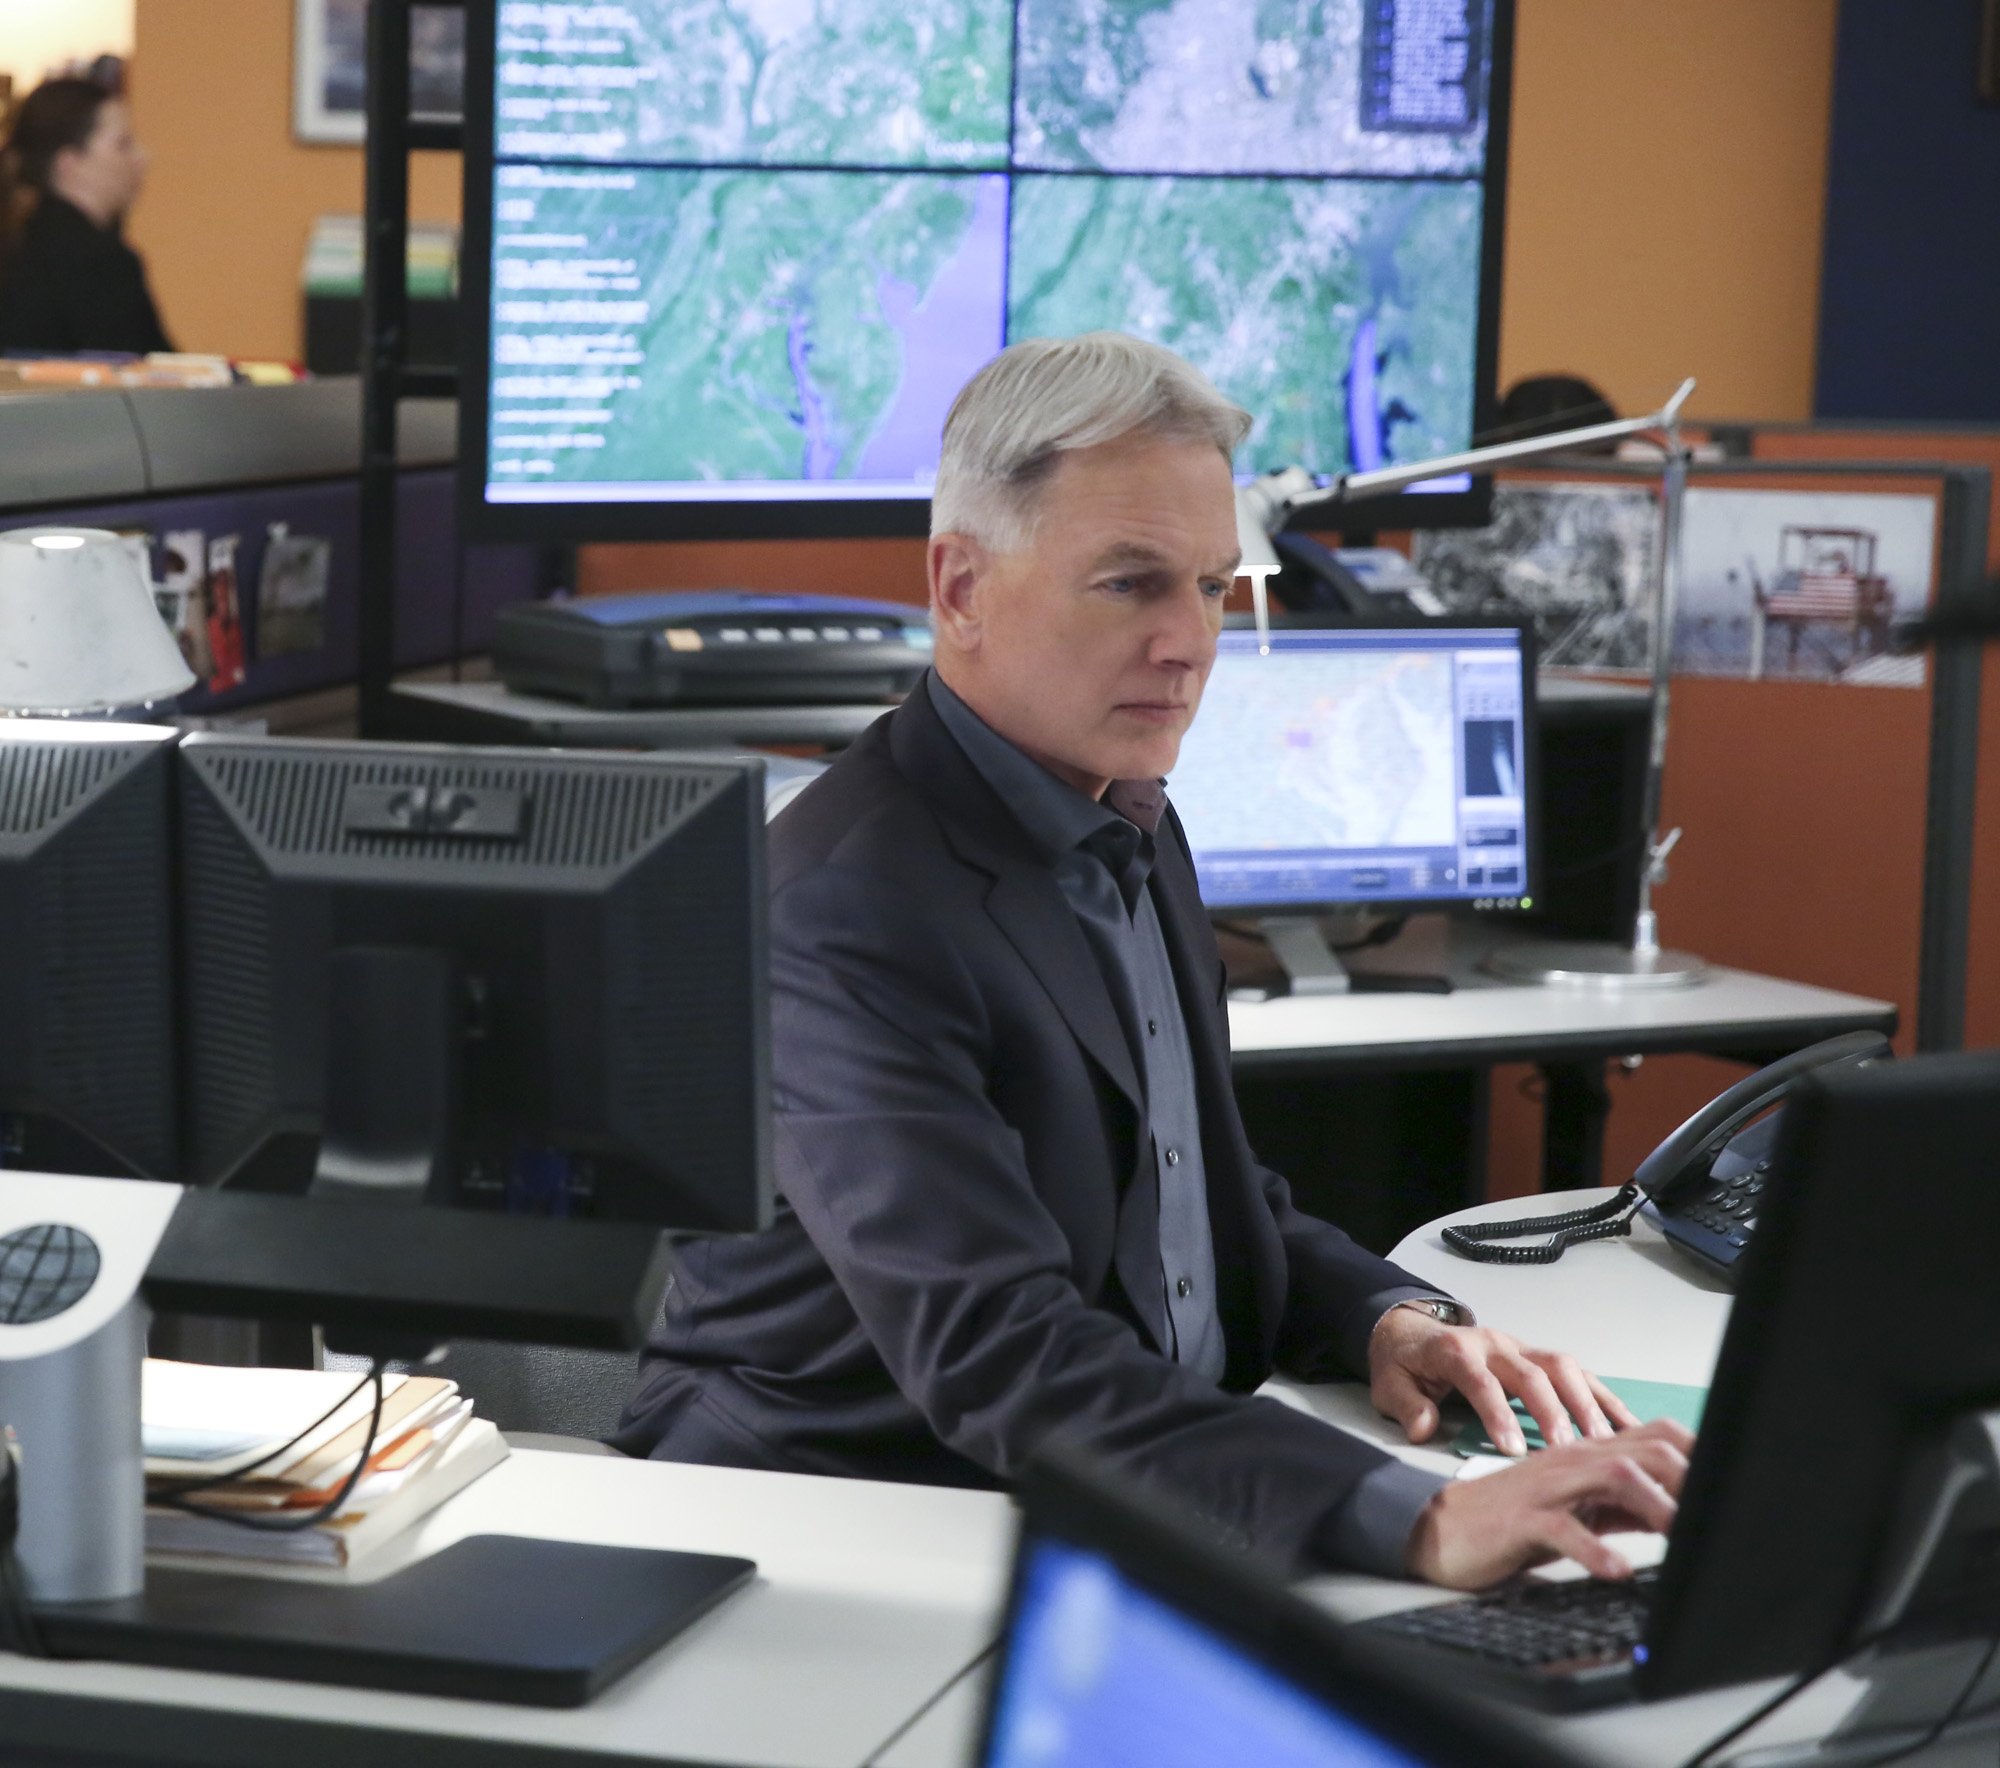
917 1193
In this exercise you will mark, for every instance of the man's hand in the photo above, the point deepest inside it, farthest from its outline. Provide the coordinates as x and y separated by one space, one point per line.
1415 1362
1476 1532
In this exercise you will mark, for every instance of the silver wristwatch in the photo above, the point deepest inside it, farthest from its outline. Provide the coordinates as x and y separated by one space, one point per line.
1447 1313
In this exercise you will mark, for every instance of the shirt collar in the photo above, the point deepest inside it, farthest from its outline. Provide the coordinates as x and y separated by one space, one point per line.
1057 817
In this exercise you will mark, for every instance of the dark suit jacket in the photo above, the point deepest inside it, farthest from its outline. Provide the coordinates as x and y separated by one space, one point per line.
966 1259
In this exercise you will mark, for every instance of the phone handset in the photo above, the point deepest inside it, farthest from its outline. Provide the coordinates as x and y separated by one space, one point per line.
1715 1231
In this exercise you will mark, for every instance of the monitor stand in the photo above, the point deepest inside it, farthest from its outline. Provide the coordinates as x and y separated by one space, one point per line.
1312 967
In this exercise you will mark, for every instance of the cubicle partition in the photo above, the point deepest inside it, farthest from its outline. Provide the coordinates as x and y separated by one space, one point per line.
1836 802
248 501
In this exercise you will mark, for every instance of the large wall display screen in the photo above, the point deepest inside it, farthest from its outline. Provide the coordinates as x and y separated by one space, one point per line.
731 259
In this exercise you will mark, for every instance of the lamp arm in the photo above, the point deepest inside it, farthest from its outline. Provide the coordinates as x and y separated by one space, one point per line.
1286 498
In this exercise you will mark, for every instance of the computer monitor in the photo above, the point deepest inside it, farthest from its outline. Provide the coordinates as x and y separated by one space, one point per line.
1360 767
518 981
87 1070
1129 1638
1847 1477
724 269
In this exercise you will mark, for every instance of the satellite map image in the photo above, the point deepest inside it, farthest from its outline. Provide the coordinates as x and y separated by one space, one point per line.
1351 775
743 241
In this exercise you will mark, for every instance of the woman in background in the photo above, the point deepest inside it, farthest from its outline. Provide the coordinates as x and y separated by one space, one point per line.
69 171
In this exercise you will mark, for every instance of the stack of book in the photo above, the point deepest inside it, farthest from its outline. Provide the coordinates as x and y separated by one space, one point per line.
272 1445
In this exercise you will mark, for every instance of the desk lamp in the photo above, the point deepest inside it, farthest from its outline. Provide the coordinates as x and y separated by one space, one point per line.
79 634
1267 504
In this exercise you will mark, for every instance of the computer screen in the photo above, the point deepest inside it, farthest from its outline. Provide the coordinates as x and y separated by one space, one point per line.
1362 766
523 982
87 1001
726 266
1101 1674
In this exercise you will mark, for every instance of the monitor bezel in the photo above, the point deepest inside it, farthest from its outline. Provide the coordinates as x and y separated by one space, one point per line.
1528 900
577 521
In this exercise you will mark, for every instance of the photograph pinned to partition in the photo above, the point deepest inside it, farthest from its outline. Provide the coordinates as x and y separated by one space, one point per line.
291 592
1803 585
330 67
1576 559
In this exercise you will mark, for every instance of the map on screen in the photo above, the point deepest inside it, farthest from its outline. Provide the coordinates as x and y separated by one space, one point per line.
1323 751
754 247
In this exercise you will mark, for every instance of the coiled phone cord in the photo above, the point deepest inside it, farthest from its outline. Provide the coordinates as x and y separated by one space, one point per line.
1602 1221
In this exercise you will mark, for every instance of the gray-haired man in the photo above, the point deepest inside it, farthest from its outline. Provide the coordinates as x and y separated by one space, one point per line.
1018 1206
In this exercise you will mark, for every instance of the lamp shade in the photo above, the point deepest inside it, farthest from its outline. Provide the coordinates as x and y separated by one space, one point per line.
78 628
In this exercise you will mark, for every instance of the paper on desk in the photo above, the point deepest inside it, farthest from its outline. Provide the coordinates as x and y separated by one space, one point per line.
229 1416
396 1450
1648 1399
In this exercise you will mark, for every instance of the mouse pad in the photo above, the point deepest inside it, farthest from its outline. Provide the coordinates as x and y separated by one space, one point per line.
1648 1400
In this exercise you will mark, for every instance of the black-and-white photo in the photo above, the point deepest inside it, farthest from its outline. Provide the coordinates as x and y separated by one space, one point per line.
1575 559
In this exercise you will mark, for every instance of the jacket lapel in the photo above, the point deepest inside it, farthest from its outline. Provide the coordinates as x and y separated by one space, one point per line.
1025 901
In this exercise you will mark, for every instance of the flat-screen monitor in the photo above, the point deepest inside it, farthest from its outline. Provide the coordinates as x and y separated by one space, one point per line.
1361 767
523 982
726 267
1129 1639
1847 1477
87 1034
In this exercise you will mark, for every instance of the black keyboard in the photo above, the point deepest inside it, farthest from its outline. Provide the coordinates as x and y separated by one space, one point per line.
1572 1642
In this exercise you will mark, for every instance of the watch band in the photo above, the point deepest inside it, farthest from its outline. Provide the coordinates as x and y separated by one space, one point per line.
1447 1313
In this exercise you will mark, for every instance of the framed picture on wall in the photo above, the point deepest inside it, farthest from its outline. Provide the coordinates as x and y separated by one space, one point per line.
330 66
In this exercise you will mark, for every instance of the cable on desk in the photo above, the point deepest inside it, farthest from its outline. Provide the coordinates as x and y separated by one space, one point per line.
177 1497
1601 1221
1806 1678
1951 1713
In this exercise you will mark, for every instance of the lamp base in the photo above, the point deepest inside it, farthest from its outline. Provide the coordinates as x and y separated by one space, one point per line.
1594 964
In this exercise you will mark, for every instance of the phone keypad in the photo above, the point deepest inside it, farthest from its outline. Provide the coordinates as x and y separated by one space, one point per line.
1729 1207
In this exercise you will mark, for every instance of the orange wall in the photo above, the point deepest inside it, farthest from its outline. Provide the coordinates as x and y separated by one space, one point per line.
1666 189
231 197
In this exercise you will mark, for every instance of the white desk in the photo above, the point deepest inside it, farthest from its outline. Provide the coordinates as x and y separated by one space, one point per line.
1485 1020
1569 1032
861 1641
870 1599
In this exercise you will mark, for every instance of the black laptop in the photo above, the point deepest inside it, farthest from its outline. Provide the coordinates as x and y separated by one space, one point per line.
1130 1640
1846 1485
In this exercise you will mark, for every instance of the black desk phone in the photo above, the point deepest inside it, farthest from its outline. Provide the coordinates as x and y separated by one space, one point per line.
1705 1181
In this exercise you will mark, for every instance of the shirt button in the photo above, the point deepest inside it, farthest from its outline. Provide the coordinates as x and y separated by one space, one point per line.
1152 1028
1173 1157
1184 1287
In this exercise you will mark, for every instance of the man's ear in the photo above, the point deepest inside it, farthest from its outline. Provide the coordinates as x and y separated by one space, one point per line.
958 567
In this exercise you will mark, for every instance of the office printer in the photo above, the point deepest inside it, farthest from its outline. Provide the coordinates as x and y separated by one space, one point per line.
723 647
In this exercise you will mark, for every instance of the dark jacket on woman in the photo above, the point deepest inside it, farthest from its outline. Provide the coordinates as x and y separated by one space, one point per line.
72 285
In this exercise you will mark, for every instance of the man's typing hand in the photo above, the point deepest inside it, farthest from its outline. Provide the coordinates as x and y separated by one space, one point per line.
1476 1532
1415 1363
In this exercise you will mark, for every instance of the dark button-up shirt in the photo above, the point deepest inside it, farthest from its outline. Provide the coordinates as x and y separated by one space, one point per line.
1102 854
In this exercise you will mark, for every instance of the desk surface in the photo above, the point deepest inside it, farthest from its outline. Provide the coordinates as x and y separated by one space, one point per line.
1486 1020
869 1600
486 711
862 1638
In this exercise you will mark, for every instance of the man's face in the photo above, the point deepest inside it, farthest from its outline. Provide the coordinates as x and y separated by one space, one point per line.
1089 648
